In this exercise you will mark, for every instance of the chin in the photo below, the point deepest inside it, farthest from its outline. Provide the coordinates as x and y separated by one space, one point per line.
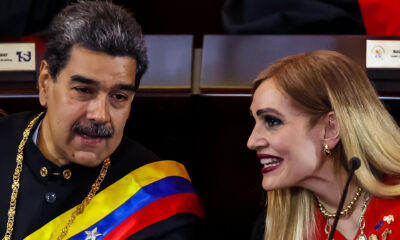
88 159
270 186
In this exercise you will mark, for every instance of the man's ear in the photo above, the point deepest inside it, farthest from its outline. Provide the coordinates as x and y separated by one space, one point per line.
44 81
331 130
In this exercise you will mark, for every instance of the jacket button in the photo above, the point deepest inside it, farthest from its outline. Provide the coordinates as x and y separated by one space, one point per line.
43 172
67 173
50 197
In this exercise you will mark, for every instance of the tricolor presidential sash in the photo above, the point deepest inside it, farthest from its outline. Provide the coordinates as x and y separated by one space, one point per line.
143 197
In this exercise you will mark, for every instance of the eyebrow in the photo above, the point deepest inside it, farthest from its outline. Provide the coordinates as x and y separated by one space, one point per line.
126 87
268 110
84 80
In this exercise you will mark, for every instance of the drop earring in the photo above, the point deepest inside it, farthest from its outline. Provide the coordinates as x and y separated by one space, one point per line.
327 151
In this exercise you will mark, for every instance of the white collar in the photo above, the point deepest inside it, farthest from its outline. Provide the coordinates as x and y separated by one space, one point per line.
35 134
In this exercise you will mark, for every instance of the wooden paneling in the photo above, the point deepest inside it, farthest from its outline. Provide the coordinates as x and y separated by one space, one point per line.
170 63
232 62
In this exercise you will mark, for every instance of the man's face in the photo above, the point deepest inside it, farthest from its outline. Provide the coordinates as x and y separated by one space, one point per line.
87 107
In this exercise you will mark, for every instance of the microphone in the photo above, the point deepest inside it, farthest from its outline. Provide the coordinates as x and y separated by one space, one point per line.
355 164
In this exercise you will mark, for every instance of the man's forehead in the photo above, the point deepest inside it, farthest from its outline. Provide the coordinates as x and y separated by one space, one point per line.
80 56
98 66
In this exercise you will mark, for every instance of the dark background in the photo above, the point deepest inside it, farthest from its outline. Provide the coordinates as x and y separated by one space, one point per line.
32 17
207 133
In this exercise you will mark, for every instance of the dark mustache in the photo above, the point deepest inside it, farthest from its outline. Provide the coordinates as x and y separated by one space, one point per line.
93 130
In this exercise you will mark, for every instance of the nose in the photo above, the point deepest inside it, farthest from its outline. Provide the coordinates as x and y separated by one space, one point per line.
98 110
257 139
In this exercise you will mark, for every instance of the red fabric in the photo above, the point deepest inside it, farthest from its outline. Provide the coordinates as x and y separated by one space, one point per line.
158 210
377 209
381 17
391 179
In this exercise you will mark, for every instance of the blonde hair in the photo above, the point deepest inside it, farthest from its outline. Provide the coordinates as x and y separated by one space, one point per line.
320 82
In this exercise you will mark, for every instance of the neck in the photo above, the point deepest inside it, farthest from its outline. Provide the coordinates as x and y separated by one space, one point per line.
328 186
46 148
330 201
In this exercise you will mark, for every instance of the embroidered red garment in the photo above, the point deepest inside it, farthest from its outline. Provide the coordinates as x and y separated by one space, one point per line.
382 215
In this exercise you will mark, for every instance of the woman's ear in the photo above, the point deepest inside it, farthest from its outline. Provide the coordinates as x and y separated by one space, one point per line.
331 130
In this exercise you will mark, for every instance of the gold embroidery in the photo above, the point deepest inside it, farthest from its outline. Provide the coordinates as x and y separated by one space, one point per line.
389 219
373 237
386 233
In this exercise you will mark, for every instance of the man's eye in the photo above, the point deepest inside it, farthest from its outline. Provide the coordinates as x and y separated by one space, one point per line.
83 90
119 97
272 122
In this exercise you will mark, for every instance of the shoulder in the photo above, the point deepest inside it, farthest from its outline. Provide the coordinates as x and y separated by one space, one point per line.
178 227
16 119
13 125
133 158
382 205
128 157
169 206
383 214
133 154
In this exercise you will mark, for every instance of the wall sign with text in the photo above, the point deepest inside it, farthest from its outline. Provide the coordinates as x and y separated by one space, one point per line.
383 54
17 57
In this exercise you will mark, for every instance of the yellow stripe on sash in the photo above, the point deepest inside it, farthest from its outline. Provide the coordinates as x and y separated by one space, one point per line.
110 198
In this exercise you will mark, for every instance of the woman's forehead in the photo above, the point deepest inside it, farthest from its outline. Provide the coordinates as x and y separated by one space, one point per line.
269 95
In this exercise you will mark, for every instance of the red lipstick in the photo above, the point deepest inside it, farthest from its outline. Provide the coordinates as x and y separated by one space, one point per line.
269 162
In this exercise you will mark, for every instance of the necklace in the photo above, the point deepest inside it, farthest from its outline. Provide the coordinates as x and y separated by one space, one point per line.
79 209
361 221
15 186
345 211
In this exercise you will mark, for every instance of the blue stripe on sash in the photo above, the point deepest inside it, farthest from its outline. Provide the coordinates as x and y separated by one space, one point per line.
165 187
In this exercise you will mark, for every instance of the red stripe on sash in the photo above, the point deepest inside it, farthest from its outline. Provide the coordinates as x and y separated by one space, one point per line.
381 17
157 211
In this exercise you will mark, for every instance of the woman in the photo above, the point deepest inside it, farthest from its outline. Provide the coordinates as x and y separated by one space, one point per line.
313 112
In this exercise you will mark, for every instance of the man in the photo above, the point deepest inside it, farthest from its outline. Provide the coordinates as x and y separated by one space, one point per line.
71 172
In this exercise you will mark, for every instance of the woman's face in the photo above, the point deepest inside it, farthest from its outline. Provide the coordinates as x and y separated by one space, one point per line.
290 151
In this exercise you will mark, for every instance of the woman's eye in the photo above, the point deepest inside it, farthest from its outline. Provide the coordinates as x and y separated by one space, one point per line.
272 122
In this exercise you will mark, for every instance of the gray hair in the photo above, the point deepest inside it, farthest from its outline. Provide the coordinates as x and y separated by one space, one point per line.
98 26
